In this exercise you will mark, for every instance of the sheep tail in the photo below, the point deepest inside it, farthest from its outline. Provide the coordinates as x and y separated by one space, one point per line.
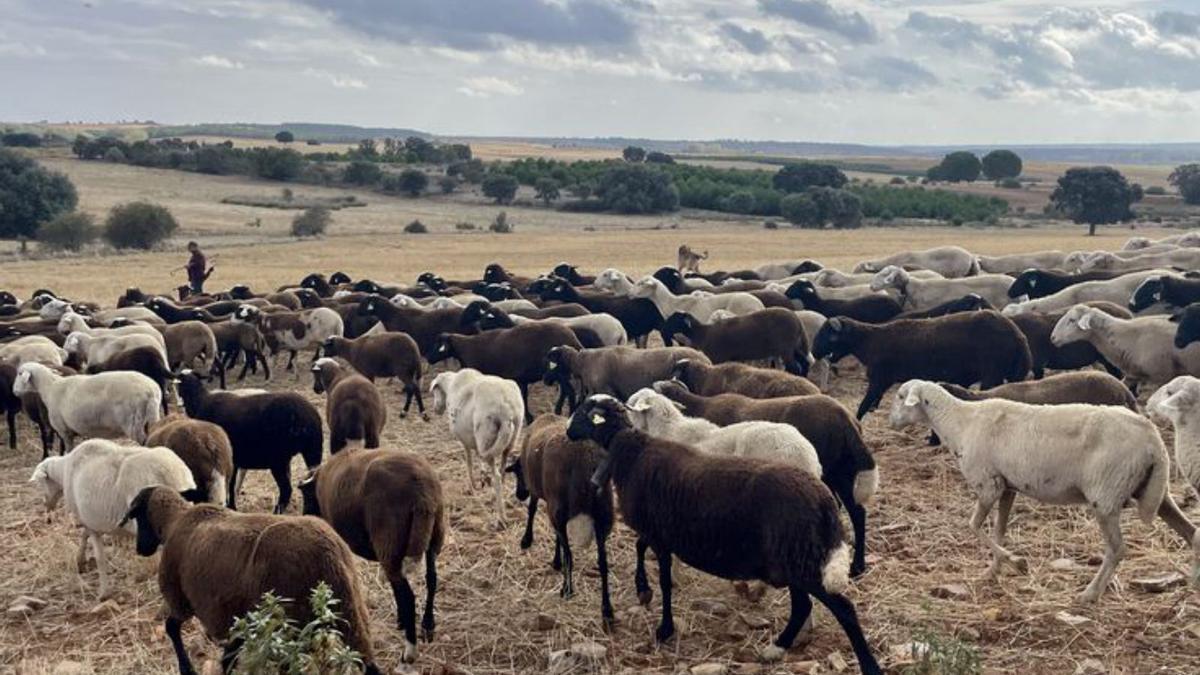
143 417
866 472
505 435
835 573
216 488
974 269
422 520
1154 490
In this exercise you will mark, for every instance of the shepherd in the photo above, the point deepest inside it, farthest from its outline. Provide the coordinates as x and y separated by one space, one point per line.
197 267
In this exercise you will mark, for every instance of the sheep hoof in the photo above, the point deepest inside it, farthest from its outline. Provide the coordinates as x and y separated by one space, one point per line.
425 416
1088 597
607 622
566 593
772 654
526 541
857 570
664 633
409 653
644 597
403 414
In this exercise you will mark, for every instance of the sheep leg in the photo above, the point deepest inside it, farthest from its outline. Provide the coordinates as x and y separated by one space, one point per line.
1003 510
799 618
172 627
568 563
843 610
1114 550
556 563
229 655
525 399
406 616
1174 518
250 361
283 479
220 371
498 488
983 507
291 364
606 610
101 564
871 399
470 470
427 623
266 366
667 627
81 559
232 489
11 416
639 574
527 538
858 521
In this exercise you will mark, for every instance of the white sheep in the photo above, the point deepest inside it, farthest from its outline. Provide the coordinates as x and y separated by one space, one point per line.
1182 258
699 306
76 323
32 349
606 326
1142 347
949 261
659 416
98 349
98 480
486 414
921 294
1178 401
106 405
1117 290
1101 456
831 278
1019 262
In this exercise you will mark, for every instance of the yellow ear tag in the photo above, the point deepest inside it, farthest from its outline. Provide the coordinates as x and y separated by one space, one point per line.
597 419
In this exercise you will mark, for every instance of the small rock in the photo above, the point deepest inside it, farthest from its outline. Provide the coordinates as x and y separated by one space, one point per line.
991 614
908 652
748 669
836 662
1090 667
709 669
71 668
582 657
1095 559
951 592
544 622
1063 564
755 621
711 607
1160 584
806 667
1072 619
24 605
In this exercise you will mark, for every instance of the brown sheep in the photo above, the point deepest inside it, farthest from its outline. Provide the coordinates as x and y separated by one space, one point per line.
204 448
387 506
772 333
216 564
1088 386
192 344
738 378
558 470
354 410
1037 328
384 355
234 337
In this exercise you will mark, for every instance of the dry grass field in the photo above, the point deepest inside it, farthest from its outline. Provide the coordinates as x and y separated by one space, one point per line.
492 592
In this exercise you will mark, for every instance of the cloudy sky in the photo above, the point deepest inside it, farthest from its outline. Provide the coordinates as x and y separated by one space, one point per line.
867 71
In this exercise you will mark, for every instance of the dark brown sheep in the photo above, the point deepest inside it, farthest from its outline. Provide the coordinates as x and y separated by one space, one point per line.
216 564
387 506
423 326
384 355
1038 327
771 333
847 466
872 308
558 470
733 517
964 348
739 378
203 446
619 371
1089 386
9 402
145 360
354 409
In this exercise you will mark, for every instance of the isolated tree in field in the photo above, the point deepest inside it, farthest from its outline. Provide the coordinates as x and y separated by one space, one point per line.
312 222
413 182
637 189
547 190
30 195
285 137
448 184
800 210
500 187
138 225
842 208
633 154
957 167
655 157
800 176
362 173
1095 195
68 232
1001 164
1186 179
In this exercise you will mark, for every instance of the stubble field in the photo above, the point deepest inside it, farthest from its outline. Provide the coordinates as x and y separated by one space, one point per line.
492 592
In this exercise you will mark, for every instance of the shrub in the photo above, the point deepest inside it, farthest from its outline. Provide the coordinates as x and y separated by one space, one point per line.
140 225
285 137
957 167
633 154
30 195
21 139
500 187
68 232
1009 184
741 201
448 184
312 222
800 176
1156 190
501 224
362 173
547 190
637 189
273 643
1186 179
416 227
897 180
801 210
464 226
770 225
413 182
114 155
655 157
999 164
935 654
278 163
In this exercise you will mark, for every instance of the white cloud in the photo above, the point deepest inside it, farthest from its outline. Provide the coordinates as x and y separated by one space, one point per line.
339 81
486 87
215 61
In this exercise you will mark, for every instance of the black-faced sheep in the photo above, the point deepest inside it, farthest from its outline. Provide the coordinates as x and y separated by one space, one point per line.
871 308
638 315
772 333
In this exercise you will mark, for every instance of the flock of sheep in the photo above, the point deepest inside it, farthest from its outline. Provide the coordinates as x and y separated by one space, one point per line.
720 447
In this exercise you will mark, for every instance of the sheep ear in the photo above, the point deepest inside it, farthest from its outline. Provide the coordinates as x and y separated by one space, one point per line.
835 324
641 406
598 419
1176 317
1085 322
913 397
1032 282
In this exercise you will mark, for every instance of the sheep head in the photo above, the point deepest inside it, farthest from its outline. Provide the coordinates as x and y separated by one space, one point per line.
46 476
1175 400
909 407
889 277
1147 293
1074 325
599 418
1189 326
